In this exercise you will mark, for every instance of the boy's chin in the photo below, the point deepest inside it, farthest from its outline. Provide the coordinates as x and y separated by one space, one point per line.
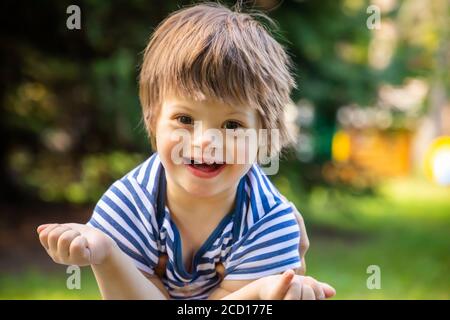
200 190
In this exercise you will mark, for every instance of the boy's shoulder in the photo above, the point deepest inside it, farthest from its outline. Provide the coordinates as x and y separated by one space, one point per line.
132 197
138 186
145 174
263 200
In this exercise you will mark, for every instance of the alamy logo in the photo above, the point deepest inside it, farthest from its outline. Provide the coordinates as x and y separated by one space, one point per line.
374 20
374 280
74 280
235 146
74 20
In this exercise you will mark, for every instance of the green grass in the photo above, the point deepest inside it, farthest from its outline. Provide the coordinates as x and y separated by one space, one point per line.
35 284
403 229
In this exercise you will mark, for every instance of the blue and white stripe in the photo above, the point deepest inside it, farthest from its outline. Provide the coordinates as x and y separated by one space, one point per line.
259 238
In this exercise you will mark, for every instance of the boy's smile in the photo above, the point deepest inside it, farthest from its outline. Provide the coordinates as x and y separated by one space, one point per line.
205 170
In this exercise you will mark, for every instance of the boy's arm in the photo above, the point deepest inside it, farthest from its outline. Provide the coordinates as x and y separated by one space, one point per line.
304 240
287 286
229 288
116 274
118 278
260 289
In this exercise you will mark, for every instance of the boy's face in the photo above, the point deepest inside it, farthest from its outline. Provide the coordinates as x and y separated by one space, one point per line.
197 152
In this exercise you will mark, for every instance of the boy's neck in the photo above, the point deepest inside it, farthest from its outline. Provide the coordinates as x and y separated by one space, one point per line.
182 205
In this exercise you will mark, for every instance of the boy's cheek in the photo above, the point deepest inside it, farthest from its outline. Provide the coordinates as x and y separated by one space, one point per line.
237 171
241 154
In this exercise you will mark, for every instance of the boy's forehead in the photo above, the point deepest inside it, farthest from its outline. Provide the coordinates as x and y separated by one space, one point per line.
177 100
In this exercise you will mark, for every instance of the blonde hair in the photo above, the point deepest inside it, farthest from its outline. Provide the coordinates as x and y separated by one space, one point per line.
209 50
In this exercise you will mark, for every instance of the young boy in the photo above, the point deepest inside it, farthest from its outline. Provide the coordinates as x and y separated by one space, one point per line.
192 221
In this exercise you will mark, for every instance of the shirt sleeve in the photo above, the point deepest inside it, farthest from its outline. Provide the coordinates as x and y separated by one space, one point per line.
126 213
270 246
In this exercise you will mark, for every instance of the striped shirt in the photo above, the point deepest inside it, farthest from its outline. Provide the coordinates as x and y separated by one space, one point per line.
259 237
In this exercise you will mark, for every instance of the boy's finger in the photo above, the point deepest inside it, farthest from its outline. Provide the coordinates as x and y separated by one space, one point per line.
282 286
308 293
53 237
43 235
316 286
318 291
76 226
42 227
64 242
79 249
328 290
294 291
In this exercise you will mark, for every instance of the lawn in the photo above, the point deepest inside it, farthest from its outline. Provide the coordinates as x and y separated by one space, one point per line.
403 228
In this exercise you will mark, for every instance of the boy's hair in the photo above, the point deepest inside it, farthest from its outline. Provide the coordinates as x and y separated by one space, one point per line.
209 51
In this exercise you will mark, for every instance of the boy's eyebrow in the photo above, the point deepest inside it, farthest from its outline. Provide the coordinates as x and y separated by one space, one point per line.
183 106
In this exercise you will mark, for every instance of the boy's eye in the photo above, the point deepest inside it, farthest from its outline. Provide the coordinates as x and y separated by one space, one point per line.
185 120
232 125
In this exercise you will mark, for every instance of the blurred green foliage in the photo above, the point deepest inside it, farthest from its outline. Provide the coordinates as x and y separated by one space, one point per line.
70 99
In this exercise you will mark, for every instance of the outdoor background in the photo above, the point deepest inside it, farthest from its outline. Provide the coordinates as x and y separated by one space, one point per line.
367 173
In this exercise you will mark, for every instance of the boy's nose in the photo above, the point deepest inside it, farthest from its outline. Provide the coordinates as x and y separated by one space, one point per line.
202 142
202 138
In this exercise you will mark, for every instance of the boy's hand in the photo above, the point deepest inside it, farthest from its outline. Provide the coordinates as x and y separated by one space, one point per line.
289 286
75 244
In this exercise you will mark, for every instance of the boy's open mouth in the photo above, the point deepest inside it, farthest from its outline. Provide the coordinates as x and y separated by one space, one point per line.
203 169
206 167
